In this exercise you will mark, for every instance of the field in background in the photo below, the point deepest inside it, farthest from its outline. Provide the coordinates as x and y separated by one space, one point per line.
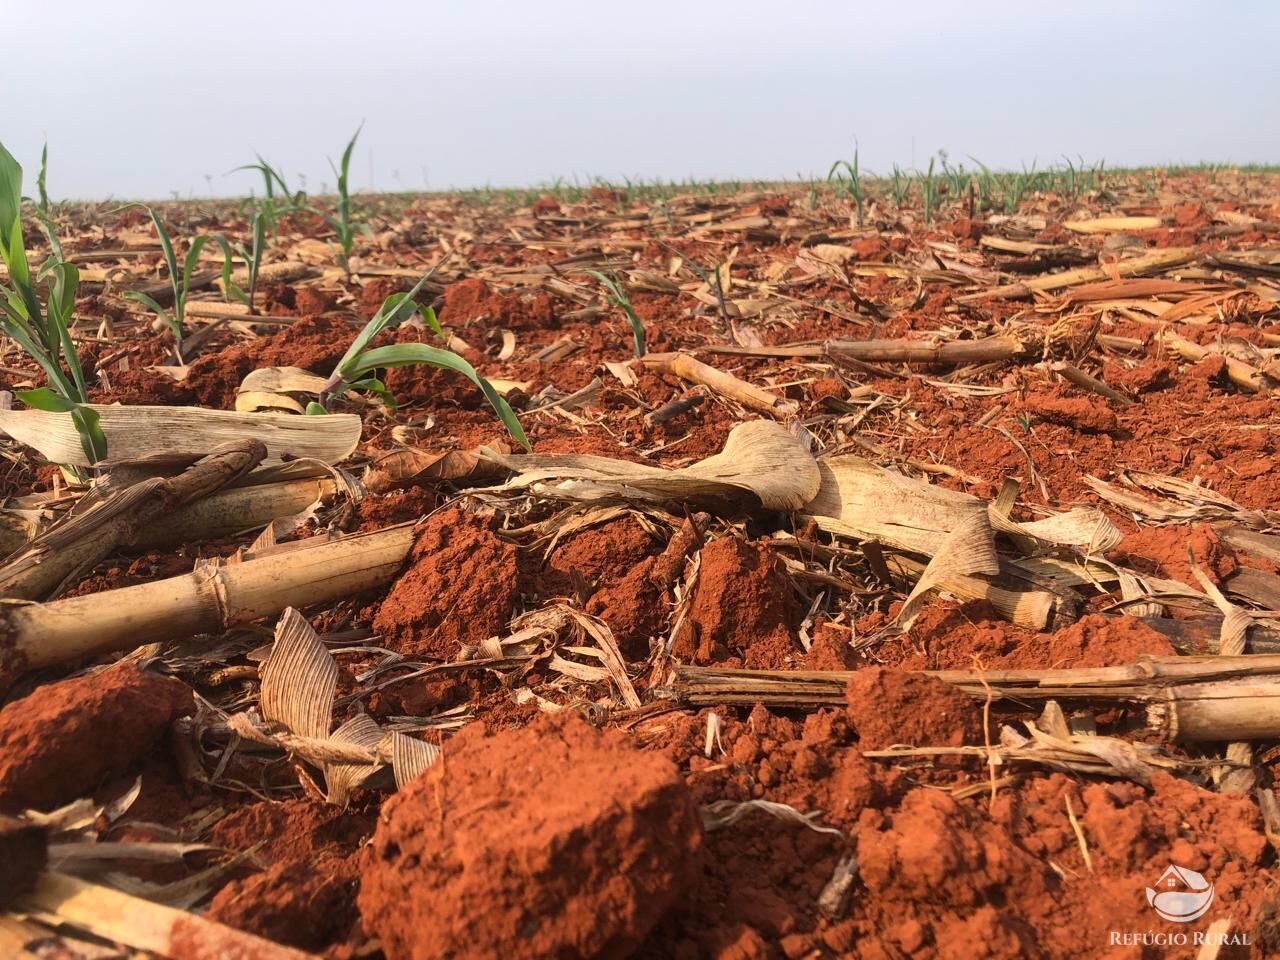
874 582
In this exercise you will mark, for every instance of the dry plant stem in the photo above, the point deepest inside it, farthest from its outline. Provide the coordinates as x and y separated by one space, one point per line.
14 533
81 540
226 512
1150 263
953 352
726 384
143 925
208 600
1075 375
235 511
1189 699
1243 375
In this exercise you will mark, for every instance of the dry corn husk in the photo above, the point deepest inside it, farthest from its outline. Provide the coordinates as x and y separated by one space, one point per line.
299 680
1112 224
138 923
862 500
137 432
762 465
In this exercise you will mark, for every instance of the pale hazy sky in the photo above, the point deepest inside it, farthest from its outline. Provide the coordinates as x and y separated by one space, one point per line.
139 98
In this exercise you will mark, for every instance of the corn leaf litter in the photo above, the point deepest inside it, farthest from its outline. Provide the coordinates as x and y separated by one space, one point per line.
1192 501
762 465
133 433
299 680
861 500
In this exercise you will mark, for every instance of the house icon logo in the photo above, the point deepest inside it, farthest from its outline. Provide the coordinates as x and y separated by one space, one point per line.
1180 895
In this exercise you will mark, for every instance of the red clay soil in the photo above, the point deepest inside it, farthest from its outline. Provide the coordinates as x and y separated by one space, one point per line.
305 896
555 840
941 877
468 302
947 878
891 706
459 587
314 343
952 636
614 569
59 742
742 608
1162 551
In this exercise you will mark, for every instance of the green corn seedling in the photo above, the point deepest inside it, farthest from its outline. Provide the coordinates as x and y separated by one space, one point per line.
360 360
179 280
852 181
340 223
617 295
45 334
901 186
41 181
272 179
929 192
252 256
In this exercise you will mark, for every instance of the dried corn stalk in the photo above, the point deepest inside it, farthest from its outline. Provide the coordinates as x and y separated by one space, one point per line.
137 432
208 600
84 537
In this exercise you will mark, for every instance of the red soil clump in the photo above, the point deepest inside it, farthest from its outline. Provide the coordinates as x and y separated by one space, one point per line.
1163 551
951 636
306 895
552 840
941 872
612 568
59 742
1086 414
891 706
469 301
312 343
742 607
459 588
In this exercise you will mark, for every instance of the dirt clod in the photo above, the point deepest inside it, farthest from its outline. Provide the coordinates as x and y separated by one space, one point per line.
742 607
459 587
889 706
552 840
59 742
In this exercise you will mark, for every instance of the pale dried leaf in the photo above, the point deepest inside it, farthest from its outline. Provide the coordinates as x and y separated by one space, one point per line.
409 756
761 463
360 731
968 549
299 679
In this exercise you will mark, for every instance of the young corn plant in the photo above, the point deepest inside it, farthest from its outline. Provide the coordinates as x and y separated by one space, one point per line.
340 221
179 280
900 186
616 294
45 334
354 369
851 181
929 192
271 179
251 255
41 182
